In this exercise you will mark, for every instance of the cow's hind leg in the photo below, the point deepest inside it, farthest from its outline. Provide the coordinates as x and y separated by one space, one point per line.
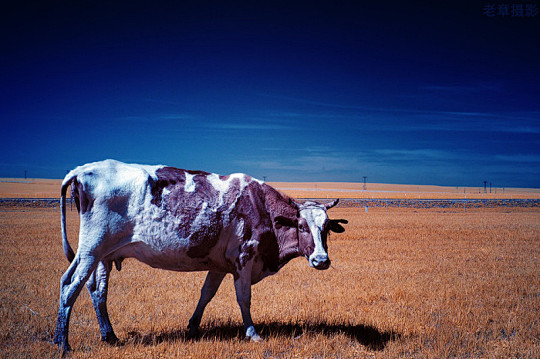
97 286
209 289
70 286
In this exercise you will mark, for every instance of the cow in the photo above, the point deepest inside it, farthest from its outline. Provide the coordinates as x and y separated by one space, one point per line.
183 220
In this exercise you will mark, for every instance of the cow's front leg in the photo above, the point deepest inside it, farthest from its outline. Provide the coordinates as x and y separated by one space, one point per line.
97 286
242 284
209 289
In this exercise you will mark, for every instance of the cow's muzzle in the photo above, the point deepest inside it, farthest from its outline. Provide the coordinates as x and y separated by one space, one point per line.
320 262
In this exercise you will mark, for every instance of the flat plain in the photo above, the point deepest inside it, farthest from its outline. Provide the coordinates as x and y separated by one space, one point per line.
50 188
404 283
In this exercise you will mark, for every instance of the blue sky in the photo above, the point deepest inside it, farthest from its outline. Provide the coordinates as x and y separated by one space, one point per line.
430 93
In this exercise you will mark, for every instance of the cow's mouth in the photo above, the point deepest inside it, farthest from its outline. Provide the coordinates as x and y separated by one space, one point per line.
323 266
320 262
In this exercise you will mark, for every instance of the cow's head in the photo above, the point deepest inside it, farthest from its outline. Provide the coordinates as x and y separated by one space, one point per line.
312 225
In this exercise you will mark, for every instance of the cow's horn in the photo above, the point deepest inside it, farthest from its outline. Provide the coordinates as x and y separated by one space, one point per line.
331 204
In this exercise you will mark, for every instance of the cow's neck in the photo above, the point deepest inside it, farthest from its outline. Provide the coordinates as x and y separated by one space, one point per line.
278 204
288 250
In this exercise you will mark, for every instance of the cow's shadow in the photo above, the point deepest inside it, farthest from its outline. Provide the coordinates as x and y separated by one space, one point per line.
366 335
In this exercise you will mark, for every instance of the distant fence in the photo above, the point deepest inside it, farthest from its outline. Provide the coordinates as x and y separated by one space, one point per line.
343 202
32 202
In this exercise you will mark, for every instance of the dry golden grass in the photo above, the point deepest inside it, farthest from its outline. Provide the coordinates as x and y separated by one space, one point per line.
50 188
403 283
29 188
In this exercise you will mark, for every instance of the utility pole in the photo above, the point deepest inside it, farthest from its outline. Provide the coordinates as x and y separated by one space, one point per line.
264 178
24 174
365 177
485 186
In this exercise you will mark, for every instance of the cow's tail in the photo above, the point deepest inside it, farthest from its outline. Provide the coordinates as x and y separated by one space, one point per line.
68 251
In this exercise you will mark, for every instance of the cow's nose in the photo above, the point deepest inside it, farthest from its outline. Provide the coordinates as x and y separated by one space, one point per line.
320 261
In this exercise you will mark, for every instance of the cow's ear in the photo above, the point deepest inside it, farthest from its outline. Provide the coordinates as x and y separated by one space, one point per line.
281 221
335 225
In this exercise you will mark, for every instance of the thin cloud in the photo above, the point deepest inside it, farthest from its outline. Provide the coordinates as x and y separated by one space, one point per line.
525 158
156 118
473 122
245 126
177 117
155 100
306 162
466 88
416 154
317 103
403 119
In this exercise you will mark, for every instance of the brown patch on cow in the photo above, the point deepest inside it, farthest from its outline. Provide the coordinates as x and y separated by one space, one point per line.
269 252
278 204
204 239
259 206
250 209
201 216
205 205
167 177
195 172
200 205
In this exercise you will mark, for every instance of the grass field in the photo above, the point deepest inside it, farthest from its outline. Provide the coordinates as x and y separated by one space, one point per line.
404 283
29 188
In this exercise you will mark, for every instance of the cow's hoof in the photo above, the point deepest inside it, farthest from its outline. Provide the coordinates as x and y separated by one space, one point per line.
252 335
111 339
256 338
193 333
64 349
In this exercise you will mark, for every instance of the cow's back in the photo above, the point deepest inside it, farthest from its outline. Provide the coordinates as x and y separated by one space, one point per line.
109 181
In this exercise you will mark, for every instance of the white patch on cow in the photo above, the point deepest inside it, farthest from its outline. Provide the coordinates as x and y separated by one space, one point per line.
239 230
109 168
219 185
151 170
222 186
165 192
122 194
252 243
201 220
190 184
